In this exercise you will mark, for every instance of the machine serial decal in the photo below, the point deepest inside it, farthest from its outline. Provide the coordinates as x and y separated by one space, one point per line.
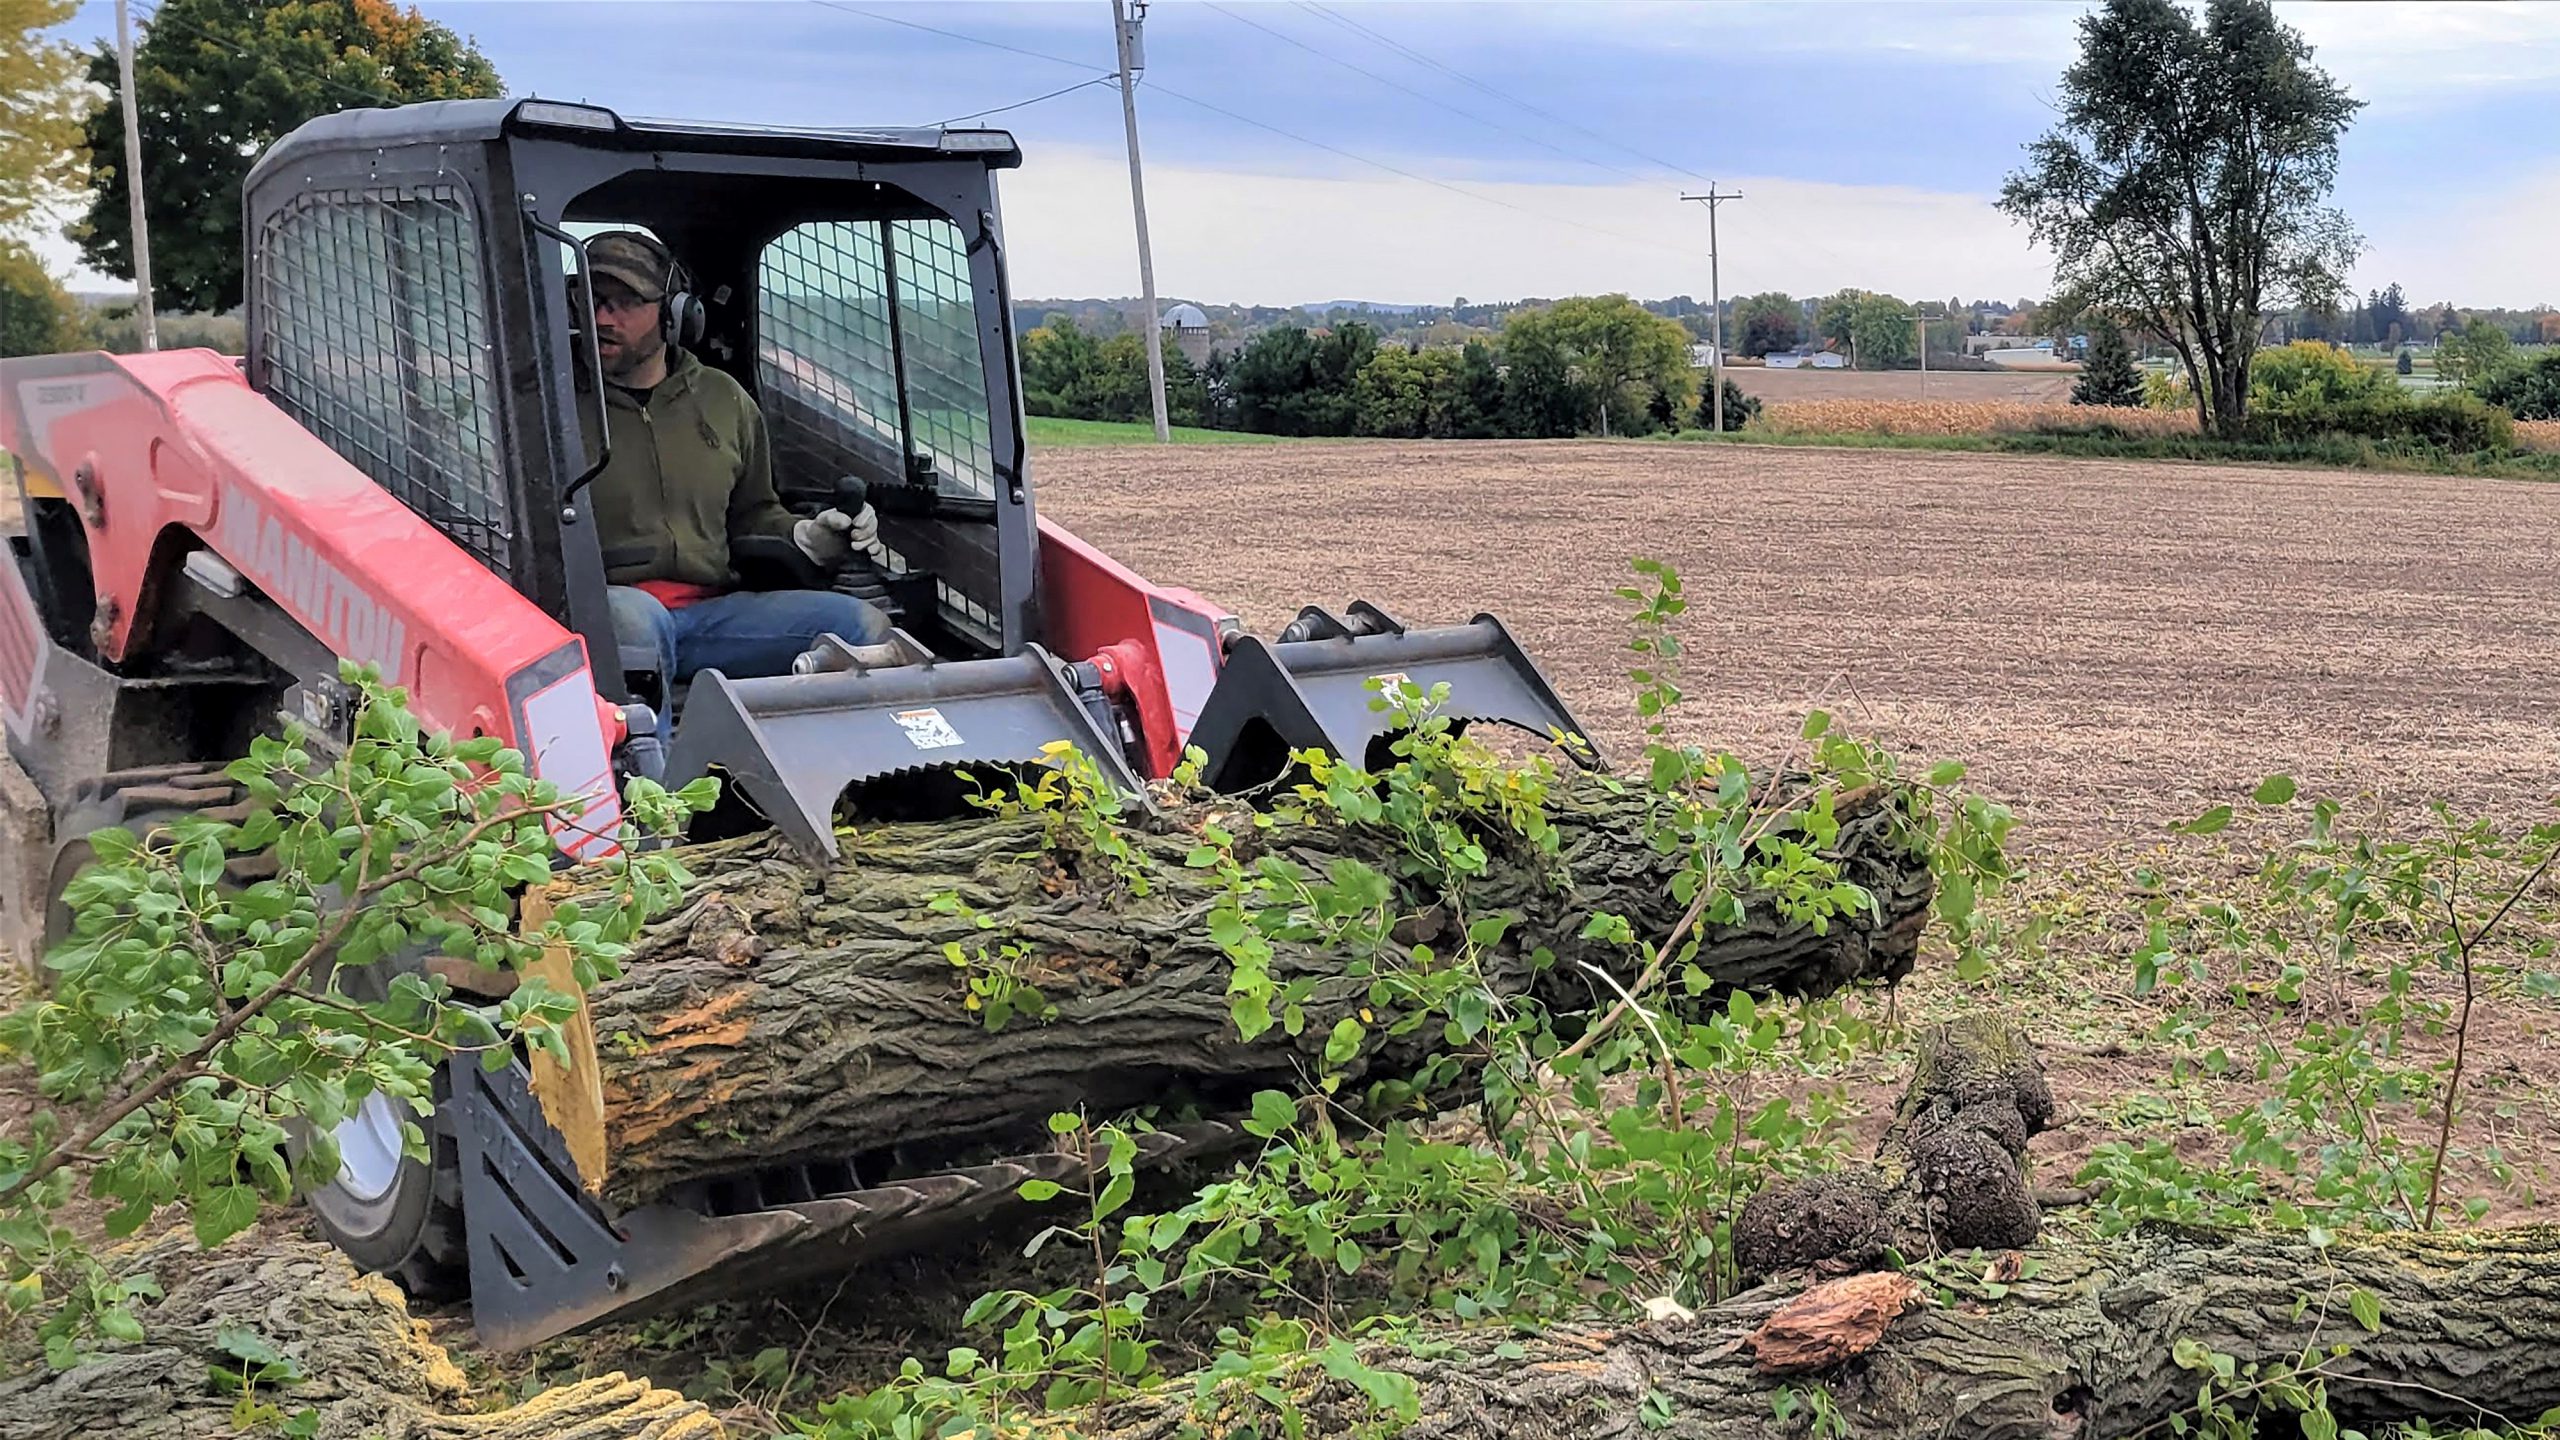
348 620
927 730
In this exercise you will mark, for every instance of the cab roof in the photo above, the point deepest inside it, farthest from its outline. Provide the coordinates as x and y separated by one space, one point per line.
444 122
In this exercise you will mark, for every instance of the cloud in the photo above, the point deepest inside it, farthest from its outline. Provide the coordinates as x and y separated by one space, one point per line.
1222 236
2488 247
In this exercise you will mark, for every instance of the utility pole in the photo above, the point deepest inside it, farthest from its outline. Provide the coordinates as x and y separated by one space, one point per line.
133 178
1133 57
1715 298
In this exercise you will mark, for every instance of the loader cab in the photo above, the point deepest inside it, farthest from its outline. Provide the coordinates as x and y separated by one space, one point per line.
417 298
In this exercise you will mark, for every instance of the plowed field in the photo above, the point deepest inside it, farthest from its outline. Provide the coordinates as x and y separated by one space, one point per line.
2112 645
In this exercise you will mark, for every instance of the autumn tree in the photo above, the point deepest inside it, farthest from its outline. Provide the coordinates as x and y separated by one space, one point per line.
42 99
2187 182
216 82
37 316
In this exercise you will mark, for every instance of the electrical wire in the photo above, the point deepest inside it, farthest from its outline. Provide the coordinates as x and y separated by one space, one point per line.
951 34
1158 87
154 18
1419 58
1111 79
1425 97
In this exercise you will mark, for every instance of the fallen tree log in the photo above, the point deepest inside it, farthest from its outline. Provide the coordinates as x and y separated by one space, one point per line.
348 1352
783 1012
2086 1346
2470 1333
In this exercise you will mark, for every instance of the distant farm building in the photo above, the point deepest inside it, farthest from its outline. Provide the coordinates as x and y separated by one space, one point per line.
1805 360
1189 326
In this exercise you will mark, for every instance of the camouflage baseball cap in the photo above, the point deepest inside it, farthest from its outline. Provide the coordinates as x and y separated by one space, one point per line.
634 259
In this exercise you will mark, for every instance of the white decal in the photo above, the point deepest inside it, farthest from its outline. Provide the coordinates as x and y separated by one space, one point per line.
1190 664
927 730
346 617
566 742
46 401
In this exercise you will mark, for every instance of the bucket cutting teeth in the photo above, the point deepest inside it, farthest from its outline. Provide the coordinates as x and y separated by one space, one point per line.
792 744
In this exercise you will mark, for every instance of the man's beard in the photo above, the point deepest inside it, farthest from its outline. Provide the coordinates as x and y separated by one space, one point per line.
625 359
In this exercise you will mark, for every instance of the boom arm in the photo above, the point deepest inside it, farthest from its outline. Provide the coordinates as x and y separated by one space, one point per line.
147 447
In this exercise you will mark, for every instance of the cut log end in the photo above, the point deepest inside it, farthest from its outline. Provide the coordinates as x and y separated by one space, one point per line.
1952 1172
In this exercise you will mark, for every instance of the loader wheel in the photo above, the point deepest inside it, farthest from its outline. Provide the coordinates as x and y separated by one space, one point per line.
389 1213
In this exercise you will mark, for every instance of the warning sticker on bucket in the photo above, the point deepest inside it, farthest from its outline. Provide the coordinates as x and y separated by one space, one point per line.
927 730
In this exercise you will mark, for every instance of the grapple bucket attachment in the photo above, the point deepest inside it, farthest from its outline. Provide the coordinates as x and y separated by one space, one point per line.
1309 690
546 1260
792 744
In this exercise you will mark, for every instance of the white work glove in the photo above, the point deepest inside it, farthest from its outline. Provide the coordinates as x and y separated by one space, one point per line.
831 536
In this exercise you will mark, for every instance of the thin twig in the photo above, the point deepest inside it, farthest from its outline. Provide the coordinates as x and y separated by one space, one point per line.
1662 1047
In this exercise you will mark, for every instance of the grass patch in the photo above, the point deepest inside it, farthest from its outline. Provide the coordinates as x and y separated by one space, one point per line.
1050 430
2333 453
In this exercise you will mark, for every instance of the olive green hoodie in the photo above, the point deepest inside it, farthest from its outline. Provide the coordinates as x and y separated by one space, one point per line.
689 471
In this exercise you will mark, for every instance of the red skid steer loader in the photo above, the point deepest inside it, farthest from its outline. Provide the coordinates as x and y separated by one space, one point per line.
396 473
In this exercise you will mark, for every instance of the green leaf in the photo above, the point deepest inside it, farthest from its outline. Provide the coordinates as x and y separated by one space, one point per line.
2207 823
2367 1309
1947 772
223 1212
1816 722
2274 790
1347 1255
117 1323
202 864
1039 1190
1344 1042
1273 1112
243 1343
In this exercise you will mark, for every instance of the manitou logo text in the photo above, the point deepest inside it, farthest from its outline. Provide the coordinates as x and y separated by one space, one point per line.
340 612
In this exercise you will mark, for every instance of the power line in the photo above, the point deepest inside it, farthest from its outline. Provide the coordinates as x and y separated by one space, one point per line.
1426 98
1160 88
1419 58
951 34
156 21
1019 104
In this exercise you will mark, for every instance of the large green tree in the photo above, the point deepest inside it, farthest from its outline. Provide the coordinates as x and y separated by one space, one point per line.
1616 354
216 82
2187 182
1768 321
42 99
1877 330
2474 354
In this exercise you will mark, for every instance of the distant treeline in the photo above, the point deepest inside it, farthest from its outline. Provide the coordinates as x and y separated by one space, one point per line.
1591 364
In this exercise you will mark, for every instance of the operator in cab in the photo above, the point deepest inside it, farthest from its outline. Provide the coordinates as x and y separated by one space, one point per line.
691 471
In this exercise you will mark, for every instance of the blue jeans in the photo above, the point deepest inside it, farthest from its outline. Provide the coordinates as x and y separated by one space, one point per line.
756 632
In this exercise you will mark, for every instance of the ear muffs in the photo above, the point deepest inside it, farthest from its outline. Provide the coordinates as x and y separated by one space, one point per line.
681 317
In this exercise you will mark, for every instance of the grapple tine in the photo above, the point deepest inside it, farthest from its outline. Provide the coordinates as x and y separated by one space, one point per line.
1309 690
792 744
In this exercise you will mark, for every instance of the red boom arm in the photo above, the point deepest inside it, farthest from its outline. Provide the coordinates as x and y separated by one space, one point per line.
143 445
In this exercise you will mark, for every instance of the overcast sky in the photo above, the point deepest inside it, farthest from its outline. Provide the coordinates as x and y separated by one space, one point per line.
1498 150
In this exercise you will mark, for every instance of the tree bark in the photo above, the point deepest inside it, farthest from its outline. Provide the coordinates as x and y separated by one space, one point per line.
785 1013
2470 1327
363 1364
